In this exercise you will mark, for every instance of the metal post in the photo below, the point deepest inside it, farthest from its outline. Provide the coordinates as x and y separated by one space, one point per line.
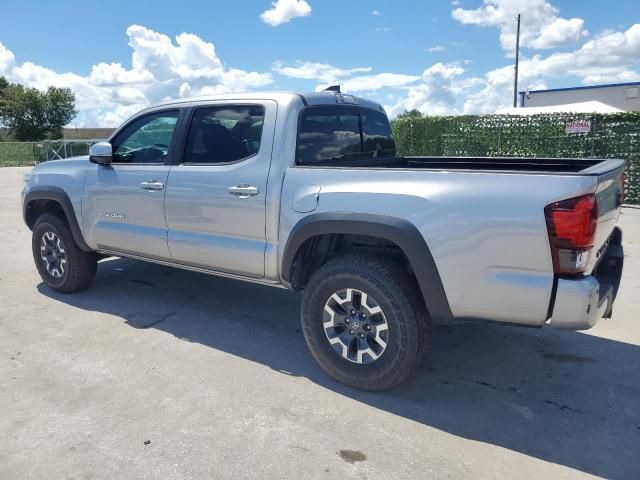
515 83
593 136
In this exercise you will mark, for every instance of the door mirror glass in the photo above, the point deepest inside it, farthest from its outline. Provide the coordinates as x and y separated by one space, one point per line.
101 153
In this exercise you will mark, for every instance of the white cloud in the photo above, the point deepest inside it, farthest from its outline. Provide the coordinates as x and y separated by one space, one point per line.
444 71
370 83
115 116
610 75
284 11
541 27
383 29
436 48
321 72
560 32
161 69
329 75
610 57
376 12
191 59
114 74
7 58
436 95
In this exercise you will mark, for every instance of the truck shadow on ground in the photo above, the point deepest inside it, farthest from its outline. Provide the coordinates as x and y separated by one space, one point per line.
564 397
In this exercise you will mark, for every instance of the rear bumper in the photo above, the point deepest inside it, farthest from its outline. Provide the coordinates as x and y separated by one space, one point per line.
580 303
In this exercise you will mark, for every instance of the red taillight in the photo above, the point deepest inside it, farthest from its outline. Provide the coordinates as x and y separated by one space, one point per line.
571 225
574 221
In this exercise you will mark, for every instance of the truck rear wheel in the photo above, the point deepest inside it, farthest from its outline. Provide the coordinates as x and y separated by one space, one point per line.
364 321
62 265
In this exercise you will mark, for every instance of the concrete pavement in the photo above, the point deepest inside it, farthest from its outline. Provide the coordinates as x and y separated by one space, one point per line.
166 374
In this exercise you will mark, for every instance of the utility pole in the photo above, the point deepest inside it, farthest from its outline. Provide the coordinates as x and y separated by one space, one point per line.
515 83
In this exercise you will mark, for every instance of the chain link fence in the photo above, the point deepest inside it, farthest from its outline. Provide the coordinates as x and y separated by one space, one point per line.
21 154
607 136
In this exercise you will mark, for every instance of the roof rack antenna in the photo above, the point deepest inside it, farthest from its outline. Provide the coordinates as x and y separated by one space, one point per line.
333 88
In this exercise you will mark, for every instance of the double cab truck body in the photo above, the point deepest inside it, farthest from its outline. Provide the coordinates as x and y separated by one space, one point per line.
305 191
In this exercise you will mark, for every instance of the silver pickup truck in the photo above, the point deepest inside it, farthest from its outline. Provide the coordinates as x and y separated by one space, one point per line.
305 191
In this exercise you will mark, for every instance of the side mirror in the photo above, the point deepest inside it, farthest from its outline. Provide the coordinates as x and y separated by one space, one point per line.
101 153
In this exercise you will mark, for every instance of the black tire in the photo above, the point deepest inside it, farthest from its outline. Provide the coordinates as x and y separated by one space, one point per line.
79 267
396 293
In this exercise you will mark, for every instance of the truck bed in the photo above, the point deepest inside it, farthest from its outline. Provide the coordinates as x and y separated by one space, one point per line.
546 165
582 166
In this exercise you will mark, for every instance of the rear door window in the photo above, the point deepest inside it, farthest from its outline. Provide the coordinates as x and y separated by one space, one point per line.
335 134
377 137
224 134
328 134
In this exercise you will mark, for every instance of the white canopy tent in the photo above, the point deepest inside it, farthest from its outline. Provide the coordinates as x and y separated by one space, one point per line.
582 107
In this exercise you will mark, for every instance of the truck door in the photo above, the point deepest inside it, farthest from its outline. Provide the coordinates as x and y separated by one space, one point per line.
123 203
215 199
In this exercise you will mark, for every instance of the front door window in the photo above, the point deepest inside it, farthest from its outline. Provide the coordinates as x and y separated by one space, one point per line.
146 139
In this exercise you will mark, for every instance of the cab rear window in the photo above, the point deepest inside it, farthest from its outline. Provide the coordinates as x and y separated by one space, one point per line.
328 134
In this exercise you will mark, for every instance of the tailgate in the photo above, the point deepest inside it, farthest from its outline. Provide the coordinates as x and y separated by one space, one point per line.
609 197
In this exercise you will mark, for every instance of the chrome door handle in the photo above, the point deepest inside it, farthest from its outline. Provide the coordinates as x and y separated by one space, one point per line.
243 190
152 185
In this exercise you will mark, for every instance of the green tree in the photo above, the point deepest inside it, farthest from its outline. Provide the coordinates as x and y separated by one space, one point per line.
61 109
3 84
31 114
411 114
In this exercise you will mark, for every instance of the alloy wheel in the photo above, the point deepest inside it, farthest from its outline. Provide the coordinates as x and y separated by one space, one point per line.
53 255
355 326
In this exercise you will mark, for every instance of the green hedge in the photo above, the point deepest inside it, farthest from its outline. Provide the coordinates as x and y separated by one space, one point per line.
611 136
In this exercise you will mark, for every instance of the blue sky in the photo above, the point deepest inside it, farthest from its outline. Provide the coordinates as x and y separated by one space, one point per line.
439 56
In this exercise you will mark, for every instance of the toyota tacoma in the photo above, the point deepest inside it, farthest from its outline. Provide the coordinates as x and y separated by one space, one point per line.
307 192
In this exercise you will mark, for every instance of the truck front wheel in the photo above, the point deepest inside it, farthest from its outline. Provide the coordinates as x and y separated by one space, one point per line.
364 321
62 265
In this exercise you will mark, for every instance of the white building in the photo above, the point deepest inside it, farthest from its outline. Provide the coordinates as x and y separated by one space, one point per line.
623 96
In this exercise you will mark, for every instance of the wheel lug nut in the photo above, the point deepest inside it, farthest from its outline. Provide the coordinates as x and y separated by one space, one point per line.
351 332
362 335
364 316
346 320
353 312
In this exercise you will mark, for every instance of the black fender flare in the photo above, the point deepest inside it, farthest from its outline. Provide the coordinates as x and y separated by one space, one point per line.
401 232
58 195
